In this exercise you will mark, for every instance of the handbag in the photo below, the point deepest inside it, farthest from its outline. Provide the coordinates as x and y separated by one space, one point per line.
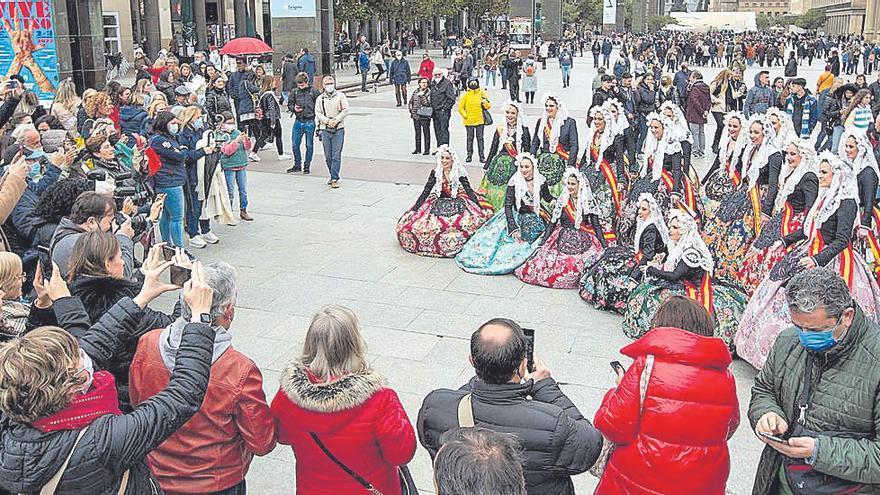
487 117
425 112
801 477
407 485
607 445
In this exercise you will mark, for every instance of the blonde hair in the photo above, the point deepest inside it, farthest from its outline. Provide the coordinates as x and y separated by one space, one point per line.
66 96
93 104
39 372
334 346
153 109
10 270
188 114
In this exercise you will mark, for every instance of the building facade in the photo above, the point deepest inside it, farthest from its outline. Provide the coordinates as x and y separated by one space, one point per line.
844 16
771 8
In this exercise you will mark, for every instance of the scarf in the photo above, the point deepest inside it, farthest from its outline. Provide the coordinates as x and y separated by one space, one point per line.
607 137
455 174
585 203
734 157
690 248
654 149
843 186
556 126
809 103
752 164
101 399
790 177
169 342
521 187
655 218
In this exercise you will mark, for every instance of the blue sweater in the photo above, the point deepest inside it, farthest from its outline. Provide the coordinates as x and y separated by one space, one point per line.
174 156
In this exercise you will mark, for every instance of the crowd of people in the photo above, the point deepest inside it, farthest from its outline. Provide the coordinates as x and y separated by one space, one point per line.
771 256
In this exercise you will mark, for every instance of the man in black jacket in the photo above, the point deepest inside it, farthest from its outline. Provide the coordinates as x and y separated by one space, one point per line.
442 101
602 94
301 103
557 440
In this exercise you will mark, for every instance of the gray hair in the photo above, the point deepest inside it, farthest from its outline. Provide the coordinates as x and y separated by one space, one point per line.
818 288
479 461
220 277
334 345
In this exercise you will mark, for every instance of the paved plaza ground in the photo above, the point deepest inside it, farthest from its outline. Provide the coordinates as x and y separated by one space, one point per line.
310 246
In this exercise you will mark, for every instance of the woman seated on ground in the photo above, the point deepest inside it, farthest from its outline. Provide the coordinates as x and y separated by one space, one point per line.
679 371
602 164
447 213
555 142
608 282
331 400
687 270
825 239
510 139
573 240
514 233
725 174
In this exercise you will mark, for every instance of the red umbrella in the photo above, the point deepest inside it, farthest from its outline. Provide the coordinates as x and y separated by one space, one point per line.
245 46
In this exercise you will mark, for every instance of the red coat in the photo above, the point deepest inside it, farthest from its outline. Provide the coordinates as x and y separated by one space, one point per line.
678 444
357 418
426 69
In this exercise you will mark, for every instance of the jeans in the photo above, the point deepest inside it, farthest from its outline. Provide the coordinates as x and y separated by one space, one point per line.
237 489
503 78
698 130
364 81
194 226
423 132
471 131
643 131
566 75
285 95
171 221
441 126
835 138
333 142
300 129
240 177
513 88
492 73
595 60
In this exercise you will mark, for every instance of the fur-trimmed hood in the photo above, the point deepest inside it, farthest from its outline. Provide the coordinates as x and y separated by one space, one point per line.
344 394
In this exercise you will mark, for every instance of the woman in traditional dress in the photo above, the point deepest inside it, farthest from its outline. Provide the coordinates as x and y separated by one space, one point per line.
602 164
798 188
619 125
447 213
608 282
675 114
509 140
555 142
688 270
726 172
858 154
574 239
783 127
825 239
739 218
515 232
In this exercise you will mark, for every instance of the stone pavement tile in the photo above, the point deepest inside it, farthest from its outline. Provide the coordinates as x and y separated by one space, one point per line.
418 297
358 269
389 342
416 377
291 330
449 350
268 476
551 296
255 323
422 271
295 285
383 315
499 286
443 323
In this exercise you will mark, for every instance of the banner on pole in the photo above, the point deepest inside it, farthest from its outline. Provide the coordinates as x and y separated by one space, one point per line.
27 45
520 32
609 12
293 8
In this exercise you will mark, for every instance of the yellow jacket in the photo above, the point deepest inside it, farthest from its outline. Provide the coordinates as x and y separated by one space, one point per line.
469 106
826 79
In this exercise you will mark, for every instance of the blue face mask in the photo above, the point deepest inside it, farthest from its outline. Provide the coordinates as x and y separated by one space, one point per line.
35 170
198 124
818 340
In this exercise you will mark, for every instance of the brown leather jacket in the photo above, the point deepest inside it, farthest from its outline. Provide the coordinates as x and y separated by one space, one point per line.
213 450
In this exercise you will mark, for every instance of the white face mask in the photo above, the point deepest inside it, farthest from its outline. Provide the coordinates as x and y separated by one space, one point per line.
330 88
173 128
228 127
89 368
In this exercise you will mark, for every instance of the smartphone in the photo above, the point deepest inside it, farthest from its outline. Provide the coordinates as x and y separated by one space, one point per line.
13 83
617 367
180 275
168 252
530 341
774 438
45 257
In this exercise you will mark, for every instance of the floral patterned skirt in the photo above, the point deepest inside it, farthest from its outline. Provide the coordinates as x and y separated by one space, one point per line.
552 166
440 227
606 284
766 315
760 258
627 219
644 300
492 251
717 185
729 233
559 262
494 184
604 198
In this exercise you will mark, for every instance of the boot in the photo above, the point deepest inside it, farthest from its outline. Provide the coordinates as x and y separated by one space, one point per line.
244 216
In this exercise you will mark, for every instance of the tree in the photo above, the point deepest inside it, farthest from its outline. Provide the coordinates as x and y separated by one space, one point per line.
811 20
582 12
658 22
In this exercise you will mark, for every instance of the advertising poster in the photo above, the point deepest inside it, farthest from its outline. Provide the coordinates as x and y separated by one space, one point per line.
27 45
520 32
609 12
294 8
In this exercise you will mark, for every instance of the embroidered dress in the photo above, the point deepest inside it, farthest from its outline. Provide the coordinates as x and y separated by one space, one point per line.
501 168
726 173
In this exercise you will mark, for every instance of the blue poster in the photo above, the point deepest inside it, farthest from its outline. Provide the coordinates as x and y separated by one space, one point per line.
27 45
293 8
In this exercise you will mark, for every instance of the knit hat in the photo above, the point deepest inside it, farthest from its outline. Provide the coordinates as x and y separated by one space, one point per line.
53 140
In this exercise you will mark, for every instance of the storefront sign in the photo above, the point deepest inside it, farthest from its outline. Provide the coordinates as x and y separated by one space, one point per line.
293 8
27 45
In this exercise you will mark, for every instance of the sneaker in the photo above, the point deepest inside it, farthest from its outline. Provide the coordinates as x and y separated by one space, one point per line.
306 171
292 170
334 184
282 158
253 157
329 182
197 242
210 238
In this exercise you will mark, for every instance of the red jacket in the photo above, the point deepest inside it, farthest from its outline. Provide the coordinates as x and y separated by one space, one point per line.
426 69
357 418
213 450
678 443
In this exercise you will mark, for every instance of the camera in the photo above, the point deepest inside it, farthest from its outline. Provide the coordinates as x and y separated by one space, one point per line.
140 223
139 198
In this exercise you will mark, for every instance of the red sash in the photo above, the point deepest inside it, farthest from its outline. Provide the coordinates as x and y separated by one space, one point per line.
846 257
571 212
735 177
755 198
787 214
508 145
702 294
559 149
605 167
689 196
666 177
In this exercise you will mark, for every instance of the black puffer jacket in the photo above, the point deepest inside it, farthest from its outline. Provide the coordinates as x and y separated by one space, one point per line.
558 441
111 444
216 102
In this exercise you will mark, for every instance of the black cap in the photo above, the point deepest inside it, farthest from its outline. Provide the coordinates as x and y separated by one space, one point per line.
606 77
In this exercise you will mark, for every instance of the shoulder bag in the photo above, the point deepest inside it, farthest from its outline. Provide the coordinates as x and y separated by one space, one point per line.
607 445
424 111
802 478
407 485
487 117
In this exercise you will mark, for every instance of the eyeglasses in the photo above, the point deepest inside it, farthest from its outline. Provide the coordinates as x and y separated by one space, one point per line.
832 327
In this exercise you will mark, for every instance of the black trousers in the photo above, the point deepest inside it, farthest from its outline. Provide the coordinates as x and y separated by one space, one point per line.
269 128
422 128
530 96
441 126
719 128
473 130
513 86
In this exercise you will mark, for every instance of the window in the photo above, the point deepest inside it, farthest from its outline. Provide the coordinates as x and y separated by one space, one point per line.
111 32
